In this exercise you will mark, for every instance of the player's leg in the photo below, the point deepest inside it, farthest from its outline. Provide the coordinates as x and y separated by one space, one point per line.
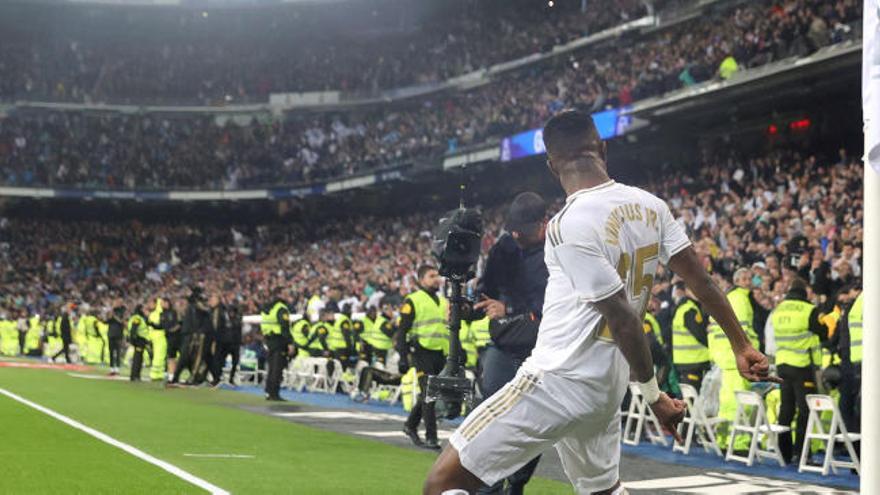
590 451
590 456
504 433
448 474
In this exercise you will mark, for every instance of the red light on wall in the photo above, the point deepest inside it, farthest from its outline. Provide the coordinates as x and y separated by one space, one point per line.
800 125
772 129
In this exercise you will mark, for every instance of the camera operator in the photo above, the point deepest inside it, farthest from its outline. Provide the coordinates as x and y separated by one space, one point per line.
512 296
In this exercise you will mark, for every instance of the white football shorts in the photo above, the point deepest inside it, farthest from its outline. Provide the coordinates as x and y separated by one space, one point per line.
540 409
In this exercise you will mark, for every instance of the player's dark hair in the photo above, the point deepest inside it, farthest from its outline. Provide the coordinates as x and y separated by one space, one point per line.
570 134
423 269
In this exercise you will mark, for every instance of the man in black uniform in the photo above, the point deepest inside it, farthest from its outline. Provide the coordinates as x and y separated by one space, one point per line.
512 291
228 341
193 330
116 336
171 324
275 326
63 327
425 346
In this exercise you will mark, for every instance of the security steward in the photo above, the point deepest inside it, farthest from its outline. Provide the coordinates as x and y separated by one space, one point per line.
348 355
317 346
335 337
425 342
850 349
721 353
375 332
157 341
138 337
797 333
690 347
275 326
33 341
511 293
300 330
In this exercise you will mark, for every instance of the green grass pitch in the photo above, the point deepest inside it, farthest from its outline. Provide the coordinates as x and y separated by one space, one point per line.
40 454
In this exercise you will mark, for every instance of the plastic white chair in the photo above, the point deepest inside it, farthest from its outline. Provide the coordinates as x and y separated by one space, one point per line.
836 433
316 375
754 423
696 422
640 417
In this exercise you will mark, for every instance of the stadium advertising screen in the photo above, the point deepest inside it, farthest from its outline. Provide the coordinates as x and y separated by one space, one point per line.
610 123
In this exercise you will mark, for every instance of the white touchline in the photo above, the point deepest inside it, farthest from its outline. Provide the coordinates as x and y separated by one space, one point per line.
176 471
222 456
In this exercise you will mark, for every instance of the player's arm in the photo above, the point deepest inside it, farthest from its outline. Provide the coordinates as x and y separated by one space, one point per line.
752 365
626 328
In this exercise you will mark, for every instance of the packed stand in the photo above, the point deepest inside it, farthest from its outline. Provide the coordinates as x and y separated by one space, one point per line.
780 232
156 151
248 54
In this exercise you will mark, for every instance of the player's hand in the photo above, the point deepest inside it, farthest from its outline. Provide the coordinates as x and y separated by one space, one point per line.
494 308
669 413
291 349
754 366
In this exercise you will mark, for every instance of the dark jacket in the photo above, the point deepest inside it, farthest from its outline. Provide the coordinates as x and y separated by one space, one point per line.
115 325
232 333
518 278
196 320
65 328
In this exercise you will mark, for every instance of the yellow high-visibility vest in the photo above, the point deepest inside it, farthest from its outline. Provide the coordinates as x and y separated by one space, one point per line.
855 331
686 349
429 326
795 344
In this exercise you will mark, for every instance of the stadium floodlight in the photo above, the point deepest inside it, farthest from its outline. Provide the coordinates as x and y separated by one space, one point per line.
870 482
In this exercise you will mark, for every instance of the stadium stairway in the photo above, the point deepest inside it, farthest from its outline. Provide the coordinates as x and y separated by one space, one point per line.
697 458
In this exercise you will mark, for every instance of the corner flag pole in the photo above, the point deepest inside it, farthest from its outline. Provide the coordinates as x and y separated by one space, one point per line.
870 482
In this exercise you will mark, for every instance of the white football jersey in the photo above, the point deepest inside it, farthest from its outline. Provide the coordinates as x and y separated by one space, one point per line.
604 239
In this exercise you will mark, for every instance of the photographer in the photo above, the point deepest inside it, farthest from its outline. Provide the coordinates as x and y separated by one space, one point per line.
512 296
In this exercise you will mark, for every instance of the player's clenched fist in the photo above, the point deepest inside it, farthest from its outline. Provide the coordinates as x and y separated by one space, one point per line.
669 413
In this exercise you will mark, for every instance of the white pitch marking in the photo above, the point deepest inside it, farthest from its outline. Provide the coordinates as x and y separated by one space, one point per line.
96 377
176 471
341 415
731 489
677 482
222 456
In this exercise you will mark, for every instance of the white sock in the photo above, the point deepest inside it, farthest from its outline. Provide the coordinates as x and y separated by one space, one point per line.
454 491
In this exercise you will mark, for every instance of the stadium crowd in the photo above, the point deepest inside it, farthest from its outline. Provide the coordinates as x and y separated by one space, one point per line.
245 54
782 214
149 151
786 224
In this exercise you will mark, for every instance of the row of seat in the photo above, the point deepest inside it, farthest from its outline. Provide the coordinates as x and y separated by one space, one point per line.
751 420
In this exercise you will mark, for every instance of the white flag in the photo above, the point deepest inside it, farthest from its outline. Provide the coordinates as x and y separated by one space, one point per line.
871 83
